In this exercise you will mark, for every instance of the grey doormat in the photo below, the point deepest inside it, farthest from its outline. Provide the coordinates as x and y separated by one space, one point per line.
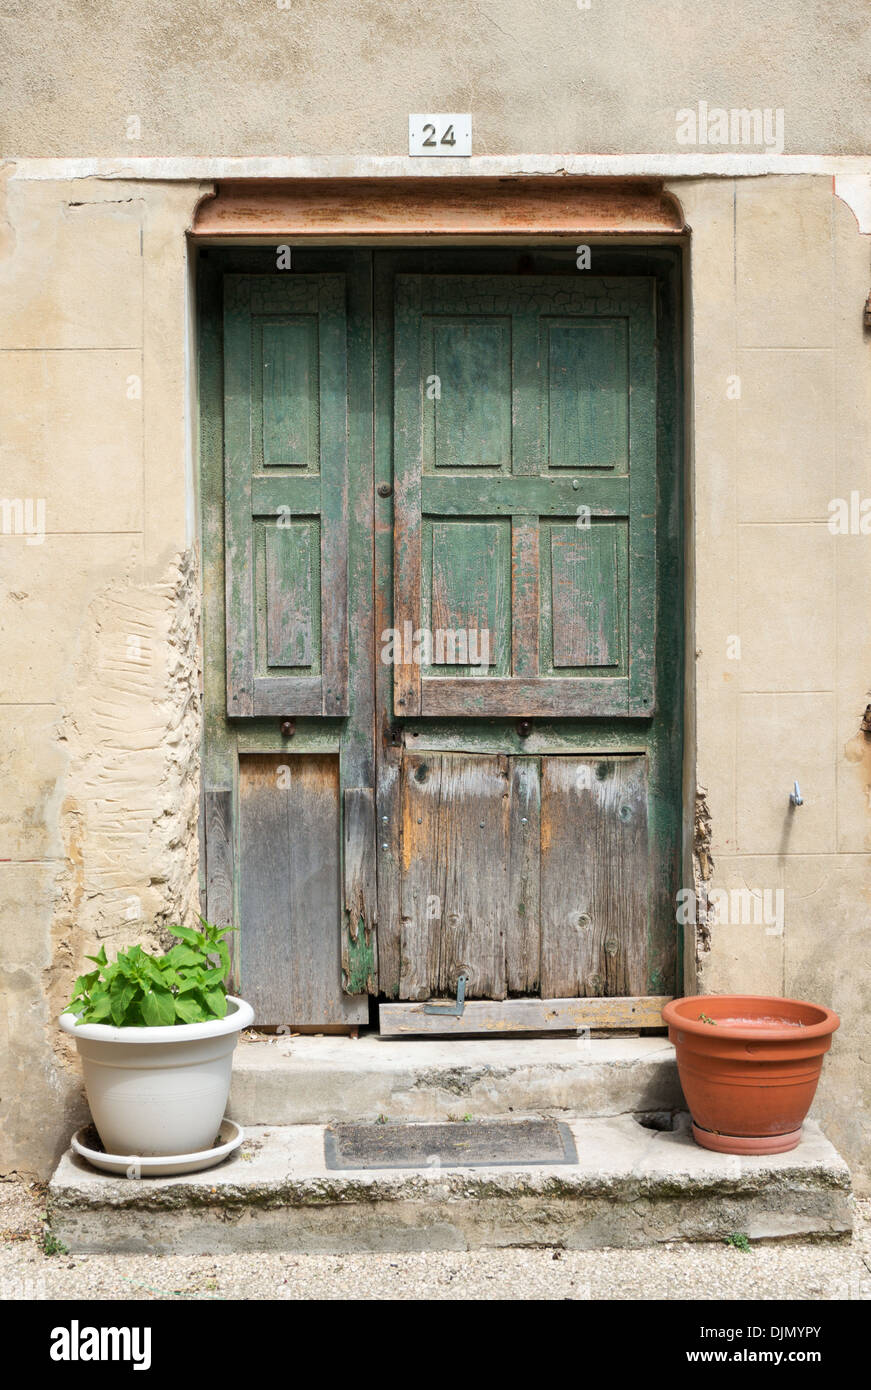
476 1144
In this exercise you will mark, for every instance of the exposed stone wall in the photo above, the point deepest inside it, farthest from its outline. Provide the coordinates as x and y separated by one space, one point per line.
131 800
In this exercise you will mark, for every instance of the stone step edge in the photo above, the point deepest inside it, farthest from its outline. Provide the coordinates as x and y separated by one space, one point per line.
661 1189
501 1056
323 1080
670 1164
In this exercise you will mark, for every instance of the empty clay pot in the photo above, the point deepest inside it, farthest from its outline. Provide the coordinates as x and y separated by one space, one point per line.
749 1075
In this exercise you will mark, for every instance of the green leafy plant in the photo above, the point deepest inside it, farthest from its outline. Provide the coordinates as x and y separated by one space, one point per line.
739 1241
51 1245
137 989
703 1018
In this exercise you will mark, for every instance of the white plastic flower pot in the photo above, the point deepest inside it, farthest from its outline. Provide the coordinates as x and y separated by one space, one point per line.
159 1091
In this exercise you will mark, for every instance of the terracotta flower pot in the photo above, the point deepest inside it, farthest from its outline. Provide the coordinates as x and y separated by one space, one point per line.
749 1075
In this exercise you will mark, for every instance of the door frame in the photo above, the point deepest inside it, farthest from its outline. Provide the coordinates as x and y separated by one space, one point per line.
219 830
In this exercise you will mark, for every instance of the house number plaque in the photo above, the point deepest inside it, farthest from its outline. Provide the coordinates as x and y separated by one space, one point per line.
445 134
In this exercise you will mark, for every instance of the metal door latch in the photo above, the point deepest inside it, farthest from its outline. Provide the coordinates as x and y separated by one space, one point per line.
455 1010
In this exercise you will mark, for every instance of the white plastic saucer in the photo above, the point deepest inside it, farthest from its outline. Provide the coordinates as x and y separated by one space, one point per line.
230 1136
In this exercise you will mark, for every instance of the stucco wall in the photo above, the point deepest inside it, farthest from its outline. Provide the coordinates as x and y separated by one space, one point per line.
98 622
779 273
99 723
341 76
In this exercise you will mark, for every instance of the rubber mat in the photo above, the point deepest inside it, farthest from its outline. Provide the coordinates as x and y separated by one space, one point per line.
474 1144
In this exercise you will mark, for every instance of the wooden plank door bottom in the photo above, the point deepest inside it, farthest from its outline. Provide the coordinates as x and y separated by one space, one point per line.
528 876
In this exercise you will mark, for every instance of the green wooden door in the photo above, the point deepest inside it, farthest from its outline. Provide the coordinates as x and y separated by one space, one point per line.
442 541
525 463
286 473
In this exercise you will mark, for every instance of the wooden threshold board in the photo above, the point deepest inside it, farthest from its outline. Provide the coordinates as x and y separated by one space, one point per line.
525 1016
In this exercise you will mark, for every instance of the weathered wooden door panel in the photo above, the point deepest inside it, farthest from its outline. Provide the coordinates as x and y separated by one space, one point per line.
285 371
468 880
360 859
290 880
526 875
522 934
595 880
525 462
286 488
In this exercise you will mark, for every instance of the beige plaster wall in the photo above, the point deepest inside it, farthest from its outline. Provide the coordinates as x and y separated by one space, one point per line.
340 76
779 274
99 697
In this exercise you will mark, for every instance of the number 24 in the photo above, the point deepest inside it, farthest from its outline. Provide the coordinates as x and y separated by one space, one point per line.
449 138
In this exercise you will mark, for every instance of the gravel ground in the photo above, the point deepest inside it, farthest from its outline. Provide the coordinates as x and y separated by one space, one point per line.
824 1270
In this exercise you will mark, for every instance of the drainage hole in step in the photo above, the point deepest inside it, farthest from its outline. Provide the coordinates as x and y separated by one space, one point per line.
666 1121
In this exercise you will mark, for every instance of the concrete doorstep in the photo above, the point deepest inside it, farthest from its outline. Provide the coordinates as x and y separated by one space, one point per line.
309 1080
631 1186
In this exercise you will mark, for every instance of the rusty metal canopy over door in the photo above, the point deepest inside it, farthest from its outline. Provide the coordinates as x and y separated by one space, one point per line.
443 545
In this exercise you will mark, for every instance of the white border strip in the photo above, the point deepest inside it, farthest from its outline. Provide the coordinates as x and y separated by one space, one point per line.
675 166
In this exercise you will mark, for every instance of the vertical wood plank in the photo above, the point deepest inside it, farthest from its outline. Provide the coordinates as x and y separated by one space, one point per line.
361 901
594 876
422 876
219 857
219 907
202 870
528 422
290 889
334 494
312 834
238 540
265 889
388 807
388 735
357 748
470 874
642 507
523 917
407 464
473 850
525 595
